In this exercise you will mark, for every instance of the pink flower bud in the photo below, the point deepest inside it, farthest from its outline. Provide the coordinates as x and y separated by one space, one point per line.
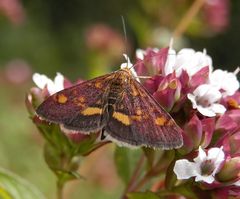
208 126
200 77
168 91
151 61
192 135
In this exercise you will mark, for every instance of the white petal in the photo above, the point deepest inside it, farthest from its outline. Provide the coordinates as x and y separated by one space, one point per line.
231 85
218 108
216 153
216 78
237 183
208 179
197 60
192 61
140 54
59 82
184 169
201 90
212 94
192 98
201 156
183 59
171 59
224 80
206 111
40 80
51 87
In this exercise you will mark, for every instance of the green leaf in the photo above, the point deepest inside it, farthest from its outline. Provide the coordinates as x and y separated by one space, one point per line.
142 195
121 157
126 160
14 187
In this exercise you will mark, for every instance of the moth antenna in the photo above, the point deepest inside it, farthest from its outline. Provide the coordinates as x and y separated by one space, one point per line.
125 36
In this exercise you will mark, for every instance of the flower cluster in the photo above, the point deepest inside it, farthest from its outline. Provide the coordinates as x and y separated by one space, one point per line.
206 104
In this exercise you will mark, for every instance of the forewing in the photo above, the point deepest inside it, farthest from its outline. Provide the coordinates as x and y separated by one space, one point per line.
139 120
79 107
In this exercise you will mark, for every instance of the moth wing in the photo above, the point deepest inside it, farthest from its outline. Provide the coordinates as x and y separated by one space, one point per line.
139 120
79 107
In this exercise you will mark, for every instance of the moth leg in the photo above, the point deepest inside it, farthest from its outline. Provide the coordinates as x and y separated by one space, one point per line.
103 134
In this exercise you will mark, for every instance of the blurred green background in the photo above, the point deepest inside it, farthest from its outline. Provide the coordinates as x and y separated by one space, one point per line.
83 39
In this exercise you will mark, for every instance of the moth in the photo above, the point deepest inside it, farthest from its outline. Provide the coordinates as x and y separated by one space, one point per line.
117 105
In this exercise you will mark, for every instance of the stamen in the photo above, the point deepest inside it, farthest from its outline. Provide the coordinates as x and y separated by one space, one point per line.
236 71
144 77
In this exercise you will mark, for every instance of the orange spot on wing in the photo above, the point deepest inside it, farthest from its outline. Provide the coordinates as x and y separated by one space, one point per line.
92 111
160 121
122 118
62 99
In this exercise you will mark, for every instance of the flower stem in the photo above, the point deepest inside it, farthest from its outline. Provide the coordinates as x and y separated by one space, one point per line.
134 176
187 18
60 186
155 170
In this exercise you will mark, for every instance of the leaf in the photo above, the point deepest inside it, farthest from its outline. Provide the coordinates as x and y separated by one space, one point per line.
142 195
125 160
122 163
14 187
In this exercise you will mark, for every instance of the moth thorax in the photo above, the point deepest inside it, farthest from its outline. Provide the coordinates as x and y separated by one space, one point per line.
115 90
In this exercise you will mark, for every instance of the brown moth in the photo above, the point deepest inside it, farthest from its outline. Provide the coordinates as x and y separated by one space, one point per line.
118 105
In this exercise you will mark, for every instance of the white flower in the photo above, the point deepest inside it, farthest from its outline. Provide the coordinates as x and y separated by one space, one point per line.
205 99
237 183
52 86
129 65
204 167
171 59
140 53
187 59
225 81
